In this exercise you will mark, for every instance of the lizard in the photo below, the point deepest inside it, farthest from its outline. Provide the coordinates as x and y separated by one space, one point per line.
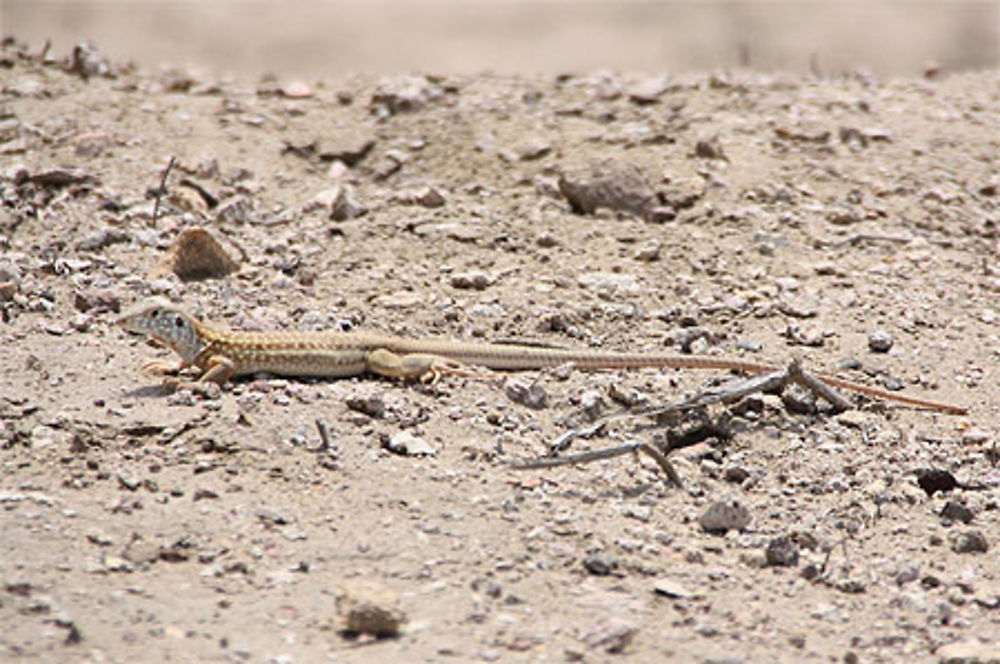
222 354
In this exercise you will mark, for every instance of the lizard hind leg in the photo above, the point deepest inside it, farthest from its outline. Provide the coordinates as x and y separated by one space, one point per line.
425 367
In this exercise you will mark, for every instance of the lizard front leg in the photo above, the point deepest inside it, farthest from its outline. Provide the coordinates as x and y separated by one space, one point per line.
426 367
218 369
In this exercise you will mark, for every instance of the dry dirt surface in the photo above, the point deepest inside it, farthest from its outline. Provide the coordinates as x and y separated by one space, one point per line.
850 221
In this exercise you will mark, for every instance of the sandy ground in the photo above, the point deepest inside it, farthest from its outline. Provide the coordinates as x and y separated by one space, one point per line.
323 38
851 221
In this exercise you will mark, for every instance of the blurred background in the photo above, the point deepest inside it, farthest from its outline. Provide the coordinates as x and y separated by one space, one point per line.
321 37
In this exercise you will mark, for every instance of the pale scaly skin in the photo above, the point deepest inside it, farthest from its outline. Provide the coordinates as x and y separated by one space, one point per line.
223 354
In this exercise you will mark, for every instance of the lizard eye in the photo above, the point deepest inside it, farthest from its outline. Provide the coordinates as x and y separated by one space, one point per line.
178 322
155 313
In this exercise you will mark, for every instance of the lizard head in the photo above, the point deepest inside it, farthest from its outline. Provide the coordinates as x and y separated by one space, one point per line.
167 323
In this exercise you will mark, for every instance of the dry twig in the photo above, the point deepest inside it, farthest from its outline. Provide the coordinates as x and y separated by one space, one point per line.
727 393
162 189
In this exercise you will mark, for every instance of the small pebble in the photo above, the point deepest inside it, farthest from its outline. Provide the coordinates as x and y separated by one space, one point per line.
710 148
593 404
196 255
405 443
371 404
782 552
670 588
297 90
339 202
975 437
365 607
648 90
600 564
546 240
471 280
722 516
607 183
736 474
971 651
933 480
969 541
957 512
649 251
880 341
612 635
533 395
8 289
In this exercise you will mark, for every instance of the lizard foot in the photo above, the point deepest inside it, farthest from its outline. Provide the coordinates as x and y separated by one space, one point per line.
443 366
204 389
161 367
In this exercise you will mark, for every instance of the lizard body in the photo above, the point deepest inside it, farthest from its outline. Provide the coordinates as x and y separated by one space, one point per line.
223 354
